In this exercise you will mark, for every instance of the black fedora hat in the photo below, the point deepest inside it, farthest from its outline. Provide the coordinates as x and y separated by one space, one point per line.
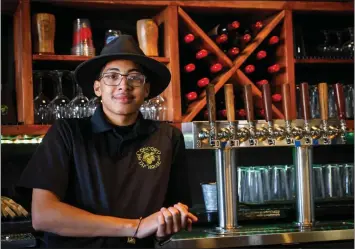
124 47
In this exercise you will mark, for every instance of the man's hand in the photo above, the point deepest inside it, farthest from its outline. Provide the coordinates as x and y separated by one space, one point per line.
173 219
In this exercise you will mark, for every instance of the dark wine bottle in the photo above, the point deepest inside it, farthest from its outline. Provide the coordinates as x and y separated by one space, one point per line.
256 27
240 40
232 52
208 62
224 28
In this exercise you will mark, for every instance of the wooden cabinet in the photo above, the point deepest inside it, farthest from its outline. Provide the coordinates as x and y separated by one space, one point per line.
171 17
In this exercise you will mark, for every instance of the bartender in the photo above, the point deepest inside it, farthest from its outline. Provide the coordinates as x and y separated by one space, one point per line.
114 179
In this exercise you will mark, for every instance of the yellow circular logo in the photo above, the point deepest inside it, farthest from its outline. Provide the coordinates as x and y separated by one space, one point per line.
149 157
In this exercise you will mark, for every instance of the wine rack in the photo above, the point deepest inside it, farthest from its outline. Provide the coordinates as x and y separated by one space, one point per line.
234 71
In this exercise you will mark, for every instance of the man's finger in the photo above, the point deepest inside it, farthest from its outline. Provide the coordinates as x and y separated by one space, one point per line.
185 206
176 219
183 214
192 217
189 225
161 226
168 220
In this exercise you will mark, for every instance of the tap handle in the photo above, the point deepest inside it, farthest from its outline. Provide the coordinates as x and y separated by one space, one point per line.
211 103
323 100
285 90
305 101
340 100
229 97
248 103
267 102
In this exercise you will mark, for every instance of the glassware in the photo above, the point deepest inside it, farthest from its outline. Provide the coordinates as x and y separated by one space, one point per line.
324 48
337 46
78 106
92 105
40 102
348 47
59 105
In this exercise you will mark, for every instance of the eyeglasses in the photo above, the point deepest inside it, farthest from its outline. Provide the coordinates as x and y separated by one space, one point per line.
115 79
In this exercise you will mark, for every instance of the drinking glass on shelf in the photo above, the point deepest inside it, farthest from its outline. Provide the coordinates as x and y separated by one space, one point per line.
92 105
348 46
325 48
337 45
59 105
78 106
144 109
160 103
40 102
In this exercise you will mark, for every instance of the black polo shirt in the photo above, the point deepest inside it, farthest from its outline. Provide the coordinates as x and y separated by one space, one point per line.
125 172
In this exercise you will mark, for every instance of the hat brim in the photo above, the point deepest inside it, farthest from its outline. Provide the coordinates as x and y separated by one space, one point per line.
158 75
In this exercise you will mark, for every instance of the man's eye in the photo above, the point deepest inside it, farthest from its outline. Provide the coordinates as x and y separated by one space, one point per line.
113 76
134 77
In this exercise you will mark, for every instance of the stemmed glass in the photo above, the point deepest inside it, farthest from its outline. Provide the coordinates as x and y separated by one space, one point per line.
78 106
41 102
324 48
59 105
159 103
348 47
92 105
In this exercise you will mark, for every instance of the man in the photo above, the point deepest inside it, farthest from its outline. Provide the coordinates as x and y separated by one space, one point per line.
114 179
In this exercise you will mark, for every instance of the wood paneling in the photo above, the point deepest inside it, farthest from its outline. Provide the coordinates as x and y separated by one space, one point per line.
12 130
23 65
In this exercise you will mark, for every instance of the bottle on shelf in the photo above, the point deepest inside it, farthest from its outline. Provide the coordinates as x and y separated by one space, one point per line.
241 114
208 62
227 28
257 27
232 52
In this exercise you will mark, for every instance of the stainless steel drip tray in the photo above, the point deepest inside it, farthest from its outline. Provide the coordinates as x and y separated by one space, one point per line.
262 235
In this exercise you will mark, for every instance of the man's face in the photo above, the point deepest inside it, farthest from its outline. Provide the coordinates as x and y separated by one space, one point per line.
125 98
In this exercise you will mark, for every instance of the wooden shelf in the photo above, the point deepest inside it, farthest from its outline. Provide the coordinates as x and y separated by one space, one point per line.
13 130
323 61
42 57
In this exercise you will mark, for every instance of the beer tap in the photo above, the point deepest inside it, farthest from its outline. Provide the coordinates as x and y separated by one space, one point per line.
309 132
269 133
328 132
254 134
211 107
229 100
340 102
290 132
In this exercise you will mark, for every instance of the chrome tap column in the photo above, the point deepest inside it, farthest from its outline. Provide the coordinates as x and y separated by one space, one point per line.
303 165
225 163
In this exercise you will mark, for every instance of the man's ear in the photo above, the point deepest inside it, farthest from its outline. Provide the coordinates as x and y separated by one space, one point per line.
97 88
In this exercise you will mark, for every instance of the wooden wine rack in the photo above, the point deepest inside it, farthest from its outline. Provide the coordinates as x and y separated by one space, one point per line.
173 15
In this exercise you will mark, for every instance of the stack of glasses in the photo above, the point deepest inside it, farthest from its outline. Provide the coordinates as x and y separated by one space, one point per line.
82 38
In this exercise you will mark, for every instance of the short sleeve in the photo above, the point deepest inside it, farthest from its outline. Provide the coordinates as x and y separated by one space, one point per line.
179 187
49 166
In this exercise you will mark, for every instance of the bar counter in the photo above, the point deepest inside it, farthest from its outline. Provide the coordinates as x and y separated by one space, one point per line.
249 236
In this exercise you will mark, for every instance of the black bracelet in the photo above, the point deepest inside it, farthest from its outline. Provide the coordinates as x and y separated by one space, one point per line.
140 220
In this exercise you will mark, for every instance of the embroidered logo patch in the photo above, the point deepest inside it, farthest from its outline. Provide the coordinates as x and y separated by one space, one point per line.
149 157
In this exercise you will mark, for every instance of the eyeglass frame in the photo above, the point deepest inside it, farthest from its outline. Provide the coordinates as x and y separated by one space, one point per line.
119 83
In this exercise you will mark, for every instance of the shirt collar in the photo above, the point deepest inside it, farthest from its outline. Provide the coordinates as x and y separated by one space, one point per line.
100 123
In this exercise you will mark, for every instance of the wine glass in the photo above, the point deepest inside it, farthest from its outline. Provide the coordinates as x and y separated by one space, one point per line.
78 106
159 102
348 47
92 105
59 105
325 48
40 102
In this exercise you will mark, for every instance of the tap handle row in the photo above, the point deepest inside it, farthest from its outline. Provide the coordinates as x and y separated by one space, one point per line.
340 100
229 98
286 99
305 101
211 103
323 100
267 102
248 103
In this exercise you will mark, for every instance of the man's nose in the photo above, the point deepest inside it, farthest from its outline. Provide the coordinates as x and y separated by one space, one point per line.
123 86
